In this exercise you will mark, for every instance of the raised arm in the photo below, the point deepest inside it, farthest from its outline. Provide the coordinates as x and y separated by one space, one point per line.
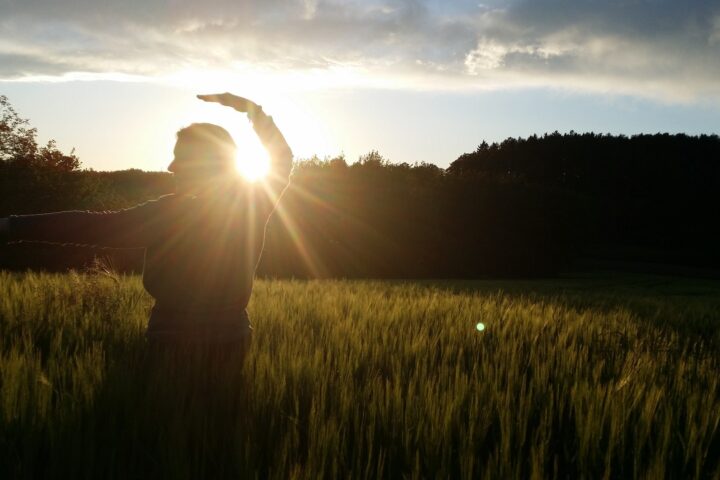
270 136
130 228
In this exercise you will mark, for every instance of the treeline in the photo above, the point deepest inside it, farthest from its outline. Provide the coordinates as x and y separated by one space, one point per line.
658 191
378 219
531 206
369 219
518 208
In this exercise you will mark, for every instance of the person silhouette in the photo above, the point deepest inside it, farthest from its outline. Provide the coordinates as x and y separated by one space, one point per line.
202 243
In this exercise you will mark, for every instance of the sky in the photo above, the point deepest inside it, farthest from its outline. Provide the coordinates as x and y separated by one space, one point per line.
417 80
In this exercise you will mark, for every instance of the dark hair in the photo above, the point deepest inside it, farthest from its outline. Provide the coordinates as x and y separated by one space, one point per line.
207 146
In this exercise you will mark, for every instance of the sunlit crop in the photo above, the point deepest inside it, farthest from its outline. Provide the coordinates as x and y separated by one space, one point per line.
363 379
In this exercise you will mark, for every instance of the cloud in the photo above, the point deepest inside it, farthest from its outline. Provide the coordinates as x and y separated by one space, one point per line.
14 66
660 48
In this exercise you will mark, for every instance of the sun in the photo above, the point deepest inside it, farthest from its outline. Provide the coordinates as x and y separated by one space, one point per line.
307 135
252 160
253 165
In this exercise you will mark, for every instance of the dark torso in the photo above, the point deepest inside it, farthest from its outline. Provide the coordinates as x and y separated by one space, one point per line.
200 266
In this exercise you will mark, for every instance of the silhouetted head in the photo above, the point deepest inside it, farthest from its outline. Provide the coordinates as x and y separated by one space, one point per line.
204 154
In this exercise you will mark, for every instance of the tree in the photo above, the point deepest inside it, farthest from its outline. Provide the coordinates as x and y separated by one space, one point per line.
19 146
373 159
34 178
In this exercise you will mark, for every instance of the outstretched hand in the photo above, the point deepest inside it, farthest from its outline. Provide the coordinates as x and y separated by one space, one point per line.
229 100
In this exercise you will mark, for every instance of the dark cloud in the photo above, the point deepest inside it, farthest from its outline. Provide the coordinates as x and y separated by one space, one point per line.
393 31
17 66
655 47
661 48
629 18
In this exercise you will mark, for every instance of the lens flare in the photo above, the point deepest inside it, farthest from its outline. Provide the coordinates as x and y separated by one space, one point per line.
254 168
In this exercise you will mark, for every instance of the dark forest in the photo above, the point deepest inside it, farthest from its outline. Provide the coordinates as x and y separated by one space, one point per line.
523 207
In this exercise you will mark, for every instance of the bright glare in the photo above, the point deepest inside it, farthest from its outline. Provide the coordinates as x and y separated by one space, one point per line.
306 134
252 161
252 165
480 327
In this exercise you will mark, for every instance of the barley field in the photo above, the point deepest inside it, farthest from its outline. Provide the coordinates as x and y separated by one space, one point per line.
601 376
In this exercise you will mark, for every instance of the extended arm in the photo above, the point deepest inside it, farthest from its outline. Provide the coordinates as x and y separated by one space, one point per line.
270 136
129 228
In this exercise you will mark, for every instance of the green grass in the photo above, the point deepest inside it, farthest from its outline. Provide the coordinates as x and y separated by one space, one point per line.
597 377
